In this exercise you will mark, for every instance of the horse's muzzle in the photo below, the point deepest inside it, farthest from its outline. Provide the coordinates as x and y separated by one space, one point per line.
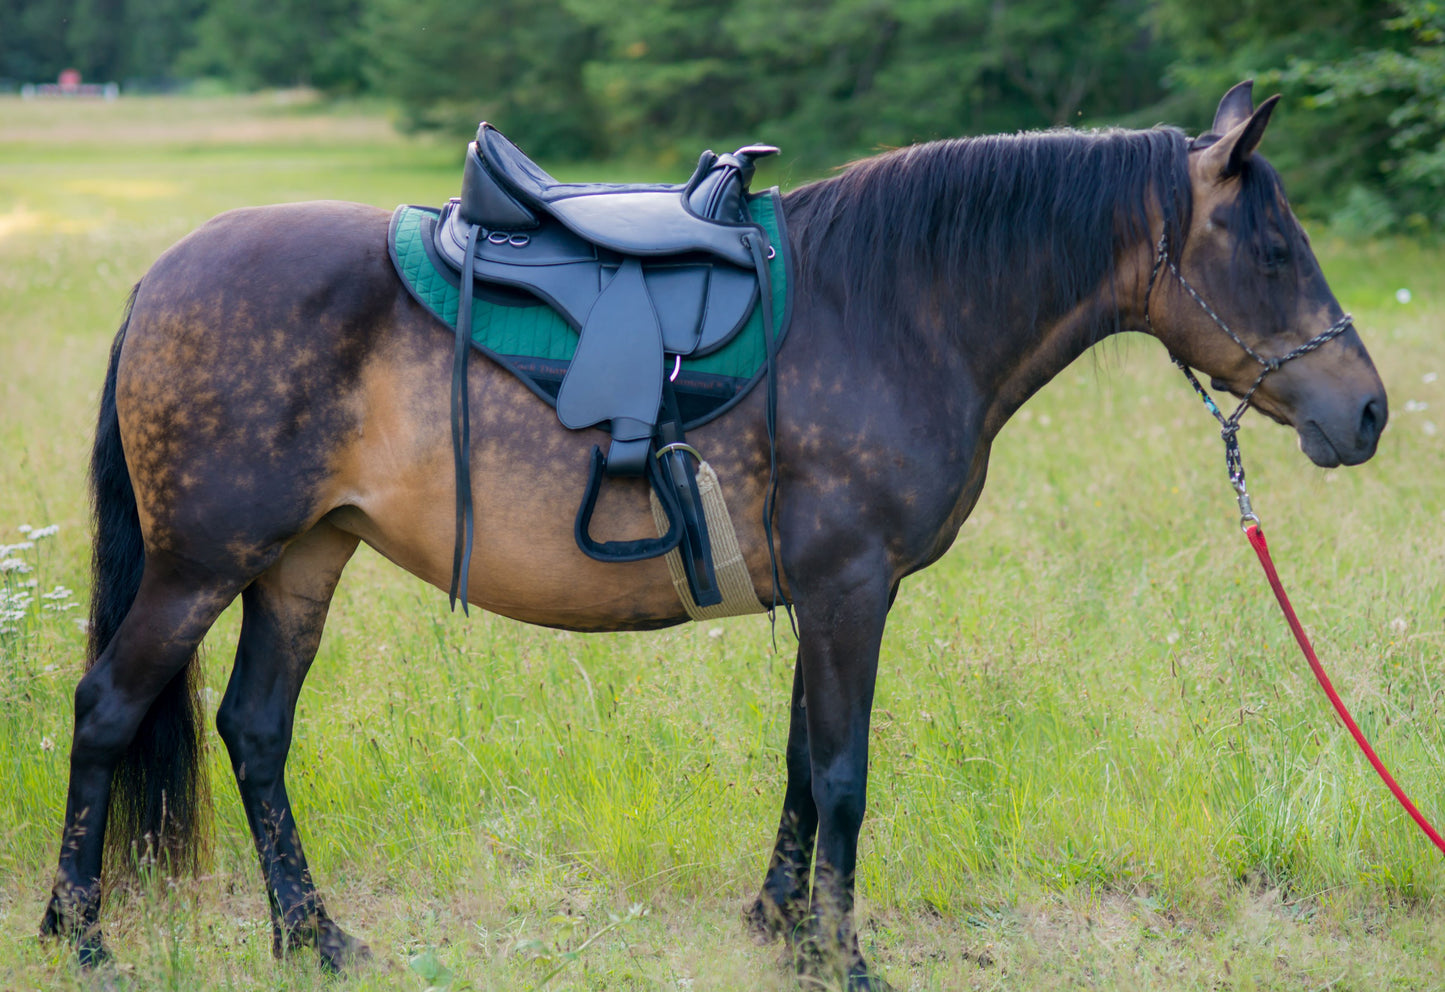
1329 443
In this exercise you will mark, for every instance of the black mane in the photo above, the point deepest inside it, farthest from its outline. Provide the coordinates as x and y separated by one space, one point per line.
971 221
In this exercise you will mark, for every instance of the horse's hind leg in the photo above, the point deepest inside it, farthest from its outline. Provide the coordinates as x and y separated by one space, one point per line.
145 662
783 903
284 612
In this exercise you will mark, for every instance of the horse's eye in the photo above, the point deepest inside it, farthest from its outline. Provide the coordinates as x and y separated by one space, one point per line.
1276 255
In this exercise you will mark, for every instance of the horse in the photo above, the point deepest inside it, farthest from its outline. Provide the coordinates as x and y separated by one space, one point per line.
274 397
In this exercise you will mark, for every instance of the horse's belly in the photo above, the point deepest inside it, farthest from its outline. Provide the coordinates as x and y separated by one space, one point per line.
396 491
528 475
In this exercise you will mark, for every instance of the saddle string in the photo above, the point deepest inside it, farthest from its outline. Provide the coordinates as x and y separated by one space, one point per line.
770 498
462 430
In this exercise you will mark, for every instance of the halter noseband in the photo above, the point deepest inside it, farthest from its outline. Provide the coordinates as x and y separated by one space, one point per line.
1229 426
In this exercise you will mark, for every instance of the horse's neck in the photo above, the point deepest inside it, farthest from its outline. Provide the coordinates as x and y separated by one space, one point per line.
1035 352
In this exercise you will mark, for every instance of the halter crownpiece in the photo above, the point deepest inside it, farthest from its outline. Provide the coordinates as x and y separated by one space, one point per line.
1229 426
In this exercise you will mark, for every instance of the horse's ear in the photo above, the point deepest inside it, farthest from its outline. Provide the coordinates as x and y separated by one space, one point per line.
1235 108
1227 156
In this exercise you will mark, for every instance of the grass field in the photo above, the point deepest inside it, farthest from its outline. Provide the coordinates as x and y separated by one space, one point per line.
1098 761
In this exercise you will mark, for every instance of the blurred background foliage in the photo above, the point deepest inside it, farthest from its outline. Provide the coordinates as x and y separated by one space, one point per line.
1360 139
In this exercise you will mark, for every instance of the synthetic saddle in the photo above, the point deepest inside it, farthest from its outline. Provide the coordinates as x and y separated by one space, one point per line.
647 274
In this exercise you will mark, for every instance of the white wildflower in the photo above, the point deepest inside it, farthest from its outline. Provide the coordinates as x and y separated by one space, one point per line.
10 549
59 592
44 532
46 744
13 565
1429 428
1429 377
25 528
1402 295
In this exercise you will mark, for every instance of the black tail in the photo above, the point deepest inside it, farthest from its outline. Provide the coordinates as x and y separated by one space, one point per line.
160 798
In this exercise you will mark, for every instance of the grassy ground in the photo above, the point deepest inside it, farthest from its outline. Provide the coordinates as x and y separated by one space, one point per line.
1098 762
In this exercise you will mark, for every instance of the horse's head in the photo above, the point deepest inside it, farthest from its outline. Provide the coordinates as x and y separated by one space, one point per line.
1243 300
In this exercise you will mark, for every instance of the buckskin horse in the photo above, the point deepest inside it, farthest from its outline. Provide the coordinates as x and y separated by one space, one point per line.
274 397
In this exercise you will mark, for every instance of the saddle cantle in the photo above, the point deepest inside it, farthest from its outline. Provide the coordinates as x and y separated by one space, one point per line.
646 274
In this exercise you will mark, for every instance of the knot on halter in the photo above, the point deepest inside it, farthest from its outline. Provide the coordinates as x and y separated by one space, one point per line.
1229 426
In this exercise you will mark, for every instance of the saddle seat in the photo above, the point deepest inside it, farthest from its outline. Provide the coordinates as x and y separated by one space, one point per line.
504 189
646 274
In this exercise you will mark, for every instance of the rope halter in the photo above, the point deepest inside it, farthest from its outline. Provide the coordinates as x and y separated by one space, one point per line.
1229 426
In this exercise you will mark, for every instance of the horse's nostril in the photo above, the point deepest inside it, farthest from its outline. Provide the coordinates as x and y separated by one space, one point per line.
1372 419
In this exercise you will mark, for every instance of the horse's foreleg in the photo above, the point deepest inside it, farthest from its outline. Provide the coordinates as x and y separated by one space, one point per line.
783 903
840 639
284 612
172 610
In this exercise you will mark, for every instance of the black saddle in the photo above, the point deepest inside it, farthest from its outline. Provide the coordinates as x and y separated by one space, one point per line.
646 274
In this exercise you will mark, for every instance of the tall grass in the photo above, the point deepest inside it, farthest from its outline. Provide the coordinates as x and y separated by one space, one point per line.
1097 759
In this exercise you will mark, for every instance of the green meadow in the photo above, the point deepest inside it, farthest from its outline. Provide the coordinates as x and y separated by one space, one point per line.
1098 760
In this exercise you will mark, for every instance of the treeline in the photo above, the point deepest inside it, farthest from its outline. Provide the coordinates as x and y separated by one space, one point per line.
1361 136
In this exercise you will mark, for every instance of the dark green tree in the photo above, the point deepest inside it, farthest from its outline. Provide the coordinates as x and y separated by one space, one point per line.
33 44
846 76
1407 75
517 63
256 43
1325 149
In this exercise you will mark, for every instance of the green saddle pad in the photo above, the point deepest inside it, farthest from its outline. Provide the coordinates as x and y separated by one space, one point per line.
526 336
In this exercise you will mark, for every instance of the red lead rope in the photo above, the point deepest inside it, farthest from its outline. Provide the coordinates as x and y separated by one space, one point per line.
1256 541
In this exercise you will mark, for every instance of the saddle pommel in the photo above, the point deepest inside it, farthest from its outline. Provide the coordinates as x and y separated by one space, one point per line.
721 181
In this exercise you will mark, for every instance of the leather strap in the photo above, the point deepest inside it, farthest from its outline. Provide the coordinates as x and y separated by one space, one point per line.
758 247
603 381
678 469
462 431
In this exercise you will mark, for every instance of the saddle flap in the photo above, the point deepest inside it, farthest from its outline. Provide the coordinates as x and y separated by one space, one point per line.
616 372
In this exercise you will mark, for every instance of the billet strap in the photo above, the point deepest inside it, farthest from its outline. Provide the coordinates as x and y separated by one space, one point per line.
678 469
758 246
462 430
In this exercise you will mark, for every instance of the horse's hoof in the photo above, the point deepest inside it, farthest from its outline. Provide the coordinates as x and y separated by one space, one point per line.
336 950
865 982
50 922
762 924
90 949
835 966
767 921
92 952
340 952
